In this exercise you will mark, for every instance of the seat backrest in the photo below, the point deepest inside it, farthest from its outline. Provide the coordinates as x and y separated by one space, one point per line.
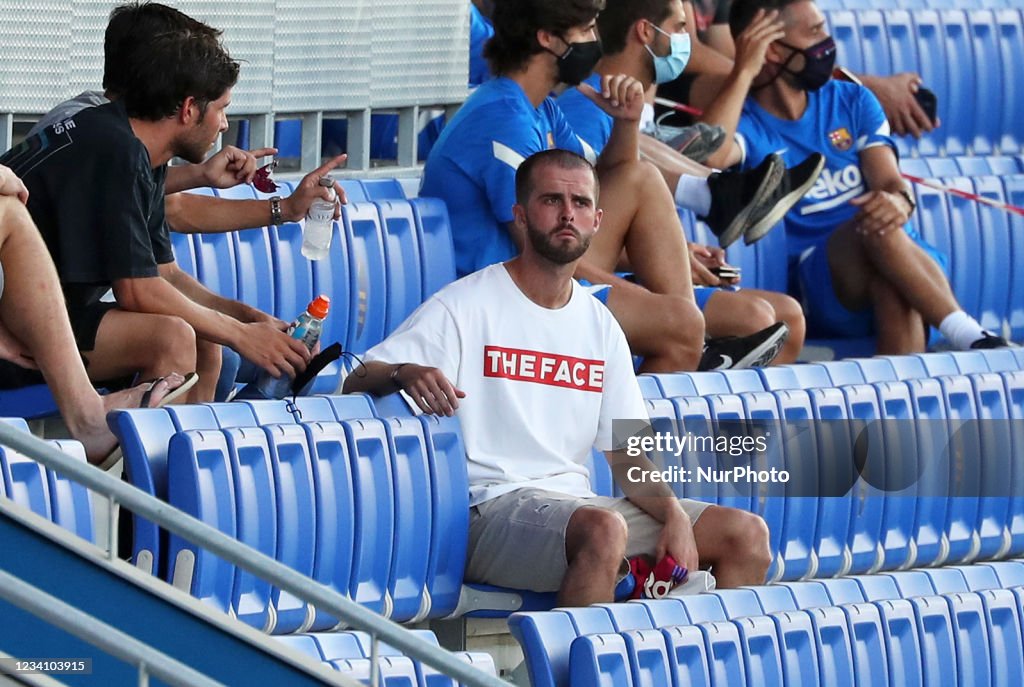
762 654
404 265
834 646
725 653
988 91
688 656
201 485
1002 616
648 658
546 638
798 648
368 264
217 264
370 452
601 660
973 648
296 519
902 641
1010 33
293 284
70 501
351 406
437 252
938 642
335 511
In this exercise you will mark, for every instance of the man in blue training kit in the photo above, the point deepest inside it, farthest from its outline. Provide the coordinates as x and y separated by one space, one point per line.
859 267
537 45
647 39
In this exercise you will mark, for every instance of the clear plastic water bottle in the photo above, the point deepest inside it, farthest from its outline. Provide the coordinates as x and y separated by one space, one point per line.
319 224
307 328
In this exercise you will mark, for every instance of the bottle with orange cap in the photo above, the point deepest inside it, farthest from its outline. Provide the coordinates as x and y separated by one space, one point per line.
307 328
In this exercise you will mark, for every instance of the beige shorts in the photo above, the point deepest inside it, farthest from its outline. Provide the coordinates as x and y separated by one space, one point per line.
517 540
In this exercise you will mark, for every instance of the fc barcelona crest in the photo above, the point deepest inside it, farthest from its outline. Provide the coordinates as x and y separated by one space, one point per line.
841 139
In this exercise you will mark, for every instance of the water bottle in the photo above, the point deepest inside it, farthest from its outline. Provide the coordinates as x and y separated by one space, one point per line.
319 225
306 328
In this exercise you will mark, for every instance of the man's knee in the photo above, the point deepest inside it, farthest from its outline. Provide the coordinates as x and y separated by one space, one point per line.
173 339
747 535
754 312
598 534
681 338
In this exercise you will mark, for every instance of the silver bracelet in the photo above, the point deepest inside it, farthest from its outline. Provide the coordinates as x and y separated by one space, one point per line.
275 211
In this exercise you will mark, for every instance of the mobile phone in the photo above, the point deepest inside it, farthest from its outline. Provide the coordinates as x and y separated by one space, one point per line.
726 272
929 103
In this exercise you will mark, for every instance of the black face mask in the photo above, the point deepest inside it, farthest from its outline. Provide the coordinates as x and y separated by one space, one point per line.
819 60
578 61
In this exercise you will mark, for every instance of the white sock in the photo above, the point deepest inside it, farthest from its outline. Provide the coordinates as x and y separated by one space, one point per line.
961 329
693 193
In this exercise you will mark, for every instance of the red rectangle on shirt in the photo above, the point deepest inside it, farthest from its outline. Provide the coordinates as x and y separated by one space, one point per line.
552 369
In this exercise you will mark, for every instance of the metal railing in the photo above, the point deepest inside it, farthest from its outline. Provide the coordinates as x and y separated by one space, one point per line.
247 558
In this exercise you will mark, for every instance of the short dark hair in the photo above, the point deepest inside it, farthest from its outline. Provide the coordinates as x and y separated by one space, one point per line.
516 23
564 159
130 28
619 16
742 12
174 66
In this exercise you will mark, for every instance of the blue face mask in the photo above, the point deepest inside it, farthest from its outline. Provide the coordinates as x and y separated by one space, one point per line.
669 67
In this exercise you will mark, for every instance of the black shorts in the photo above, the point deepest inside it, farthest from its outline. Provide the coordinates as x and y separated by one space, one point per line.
85 322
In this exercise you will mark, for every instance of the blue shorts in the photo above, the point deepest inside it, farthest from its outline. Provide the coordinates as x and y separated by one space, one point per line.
703 294
598 291
826 316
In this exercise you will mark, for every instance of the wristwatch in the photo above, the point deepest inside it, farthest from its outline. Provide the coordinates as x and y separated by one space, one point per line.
910 199
275 211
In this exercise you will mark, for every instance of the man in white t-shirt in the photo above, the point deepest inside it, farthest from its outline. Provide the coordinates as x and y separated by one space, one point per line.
537 370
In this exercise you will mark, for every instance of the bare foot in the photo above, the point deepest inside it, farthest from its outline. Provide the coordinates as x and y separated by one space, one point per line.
93 432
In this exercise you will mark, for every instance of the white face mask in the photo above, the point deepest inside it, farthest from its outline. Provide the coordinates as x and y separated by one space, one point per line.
669 67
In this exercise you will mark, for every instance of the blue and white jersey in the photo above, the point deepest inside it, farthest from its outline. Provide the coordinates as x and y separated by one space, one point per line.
480 31
472 167
842 119
589 121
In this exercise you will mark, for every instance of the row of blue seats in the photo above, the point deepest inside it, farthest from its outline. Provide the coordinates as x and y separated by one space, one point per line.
934 627
915 4
970 58
963 166
386 257
46 493
350 652
971 234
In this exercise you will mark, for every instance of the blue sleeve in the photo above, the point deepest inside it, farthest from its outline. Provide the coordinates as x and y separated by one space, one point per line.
510 141
754 140
586 119
480 31
872 125
564 135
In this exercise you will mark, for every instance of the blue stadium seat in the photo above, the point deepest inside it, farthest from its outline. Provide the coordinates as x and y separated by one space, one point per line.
974 165
797 558
688 657
215 259
938 644
797 648
843 372
868 500
964 452
450 490
947 580
725 653
966 251
994 232
915 166
900 471
846 32
601 481
877 587
728 416
255 268
436 249
304 644
649 386
368 264
939 364
811 376
226 415
402 253
958 117
391 405
1009 573
545 639
703 608
375 512
293 282
780 377
382 189
414 526
201 485
929 60
675 384
902 641
184 253
775 598
707 383
628 616
1014 382
739 603
257 514
997 474
912 583
1015 279
867 642
351 406
25 480
740 381
978 577
762 655
988 91
931 530
907 366
835 505
693 415
70 501
649 661
842 590
664 612
942 167
973 651
335 511
771 264
355 191
876 370
971 362
1010 36
1004 165
333 276
144 435
809 594
876 58
997 359
834 645
600 660
1003 621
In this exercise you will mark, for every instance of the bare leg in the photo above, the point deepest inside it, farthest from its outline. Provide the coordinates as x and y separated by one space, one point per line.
734 543
208 362
595 545
742 313
900 328
32 308
667 330
150 345
640 216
